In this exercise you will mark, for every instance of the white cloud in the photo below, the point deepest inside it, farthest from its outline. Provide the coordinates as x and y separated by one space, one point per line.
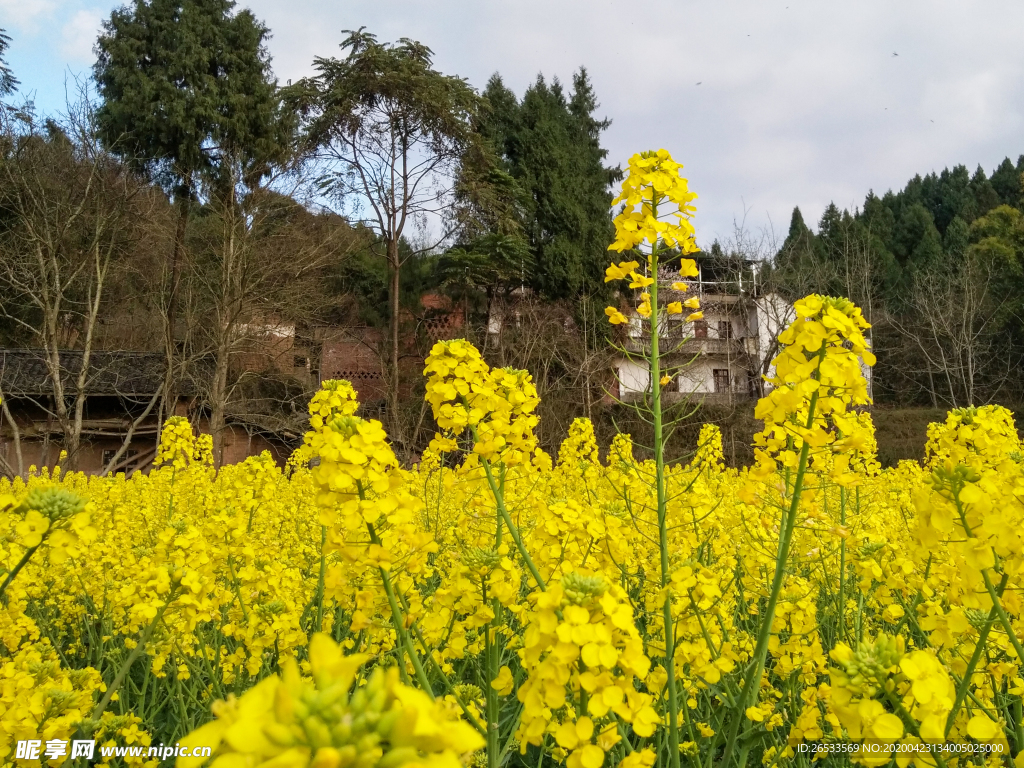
23 15
79 35
801 102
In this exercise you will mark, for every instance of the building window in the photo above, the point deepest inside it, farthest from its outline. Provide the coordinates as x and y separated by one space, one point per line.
725 329
108 455
721 379
299 361
700 329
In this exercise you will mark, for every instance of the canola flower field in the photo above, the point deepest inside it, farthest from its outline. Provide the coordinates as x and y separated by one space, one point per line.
497 606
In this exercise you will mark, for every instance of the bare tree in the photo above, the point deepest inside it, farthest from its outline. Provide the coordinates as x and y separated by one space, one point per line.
77 215
254 279
390 131
953 320
571 366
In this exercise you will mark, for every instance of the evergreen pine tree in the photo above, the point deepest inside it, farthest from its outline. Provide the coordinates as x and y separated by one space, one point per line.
550 143
798 231
189 99
1006 183
8 82
956 238
184 82
916 240
985 196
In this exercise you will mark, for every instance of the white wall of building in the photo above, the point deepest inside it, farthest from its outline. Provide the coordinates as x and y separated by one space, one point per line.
769 316
699 377
757 327
633 376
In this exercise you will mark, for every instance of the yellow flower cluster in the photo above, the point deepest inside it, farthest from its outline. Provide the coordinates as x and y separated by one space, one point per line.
326 721
583 657
810 411
662 222
653 178
497 406
39 699
494 604
180 447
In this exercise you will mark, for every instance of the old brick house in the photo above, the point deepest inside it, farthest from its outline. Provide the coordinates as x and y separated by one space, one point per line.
274 376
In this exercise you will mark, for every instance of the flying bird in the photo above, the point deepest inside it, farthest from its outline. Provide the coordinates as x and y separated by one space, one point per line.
895 54
700 82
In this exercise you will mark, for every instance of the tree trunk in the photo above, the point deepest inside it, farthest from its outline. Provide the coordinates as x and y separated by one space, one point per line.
170 392
19 469
393 380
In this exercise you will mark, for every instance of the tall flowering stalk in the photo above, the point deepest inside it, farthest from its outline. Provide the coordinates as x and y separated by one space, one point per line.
656 217
493 411
811 428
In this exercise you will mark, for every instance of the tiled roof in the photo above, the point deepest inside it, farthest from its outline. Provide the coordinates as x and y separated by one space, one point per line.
23 372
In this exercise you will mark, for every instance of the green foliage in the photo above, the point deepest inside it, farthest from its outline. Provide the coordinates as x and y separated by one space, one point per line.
949 242
8 82
1006 181
489 265
998 240
550 145
916 240
362 279
187 84
382 108
923 225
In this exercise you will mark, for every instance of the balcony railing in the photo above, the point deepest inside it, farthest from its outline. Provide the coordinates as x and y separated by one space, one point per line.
735 394
678 343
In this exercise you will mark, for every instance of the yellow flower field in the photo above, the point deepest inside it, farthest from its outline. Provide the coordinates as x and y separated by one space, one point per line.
498 606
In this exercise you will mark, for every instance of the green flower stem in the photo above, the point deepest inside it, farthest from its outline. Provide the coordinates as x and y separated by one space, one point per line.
751 682
21 564
842 566
997 605
170 501
448 684
979 648
491 651
398 620
238 590
137 651
499 500
320 581
659 480
910 723
1018 723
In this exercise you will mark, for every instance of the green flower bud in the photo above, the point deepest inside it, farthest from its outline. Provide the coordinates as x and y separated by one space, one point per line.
398 757
279 734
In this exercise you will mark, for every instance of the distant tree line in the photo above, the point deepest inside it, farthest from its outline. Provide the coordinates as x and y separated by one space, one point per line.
939 269
188 203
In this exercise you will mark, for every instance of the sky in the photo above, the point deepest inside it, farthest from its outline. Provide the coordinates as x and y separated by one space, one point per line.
768 104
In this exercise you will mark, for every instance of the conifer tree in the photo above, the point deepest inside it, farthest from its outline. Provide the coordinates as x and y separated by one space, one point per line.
550 143
1006 181
8 82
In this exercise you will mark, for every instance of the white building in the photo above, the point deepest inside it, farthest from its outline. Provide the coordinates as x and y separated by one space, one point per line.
724 356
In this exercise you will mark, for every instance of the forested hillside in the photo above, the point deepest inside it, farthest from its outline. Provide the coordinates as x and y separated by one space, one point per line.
937 267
